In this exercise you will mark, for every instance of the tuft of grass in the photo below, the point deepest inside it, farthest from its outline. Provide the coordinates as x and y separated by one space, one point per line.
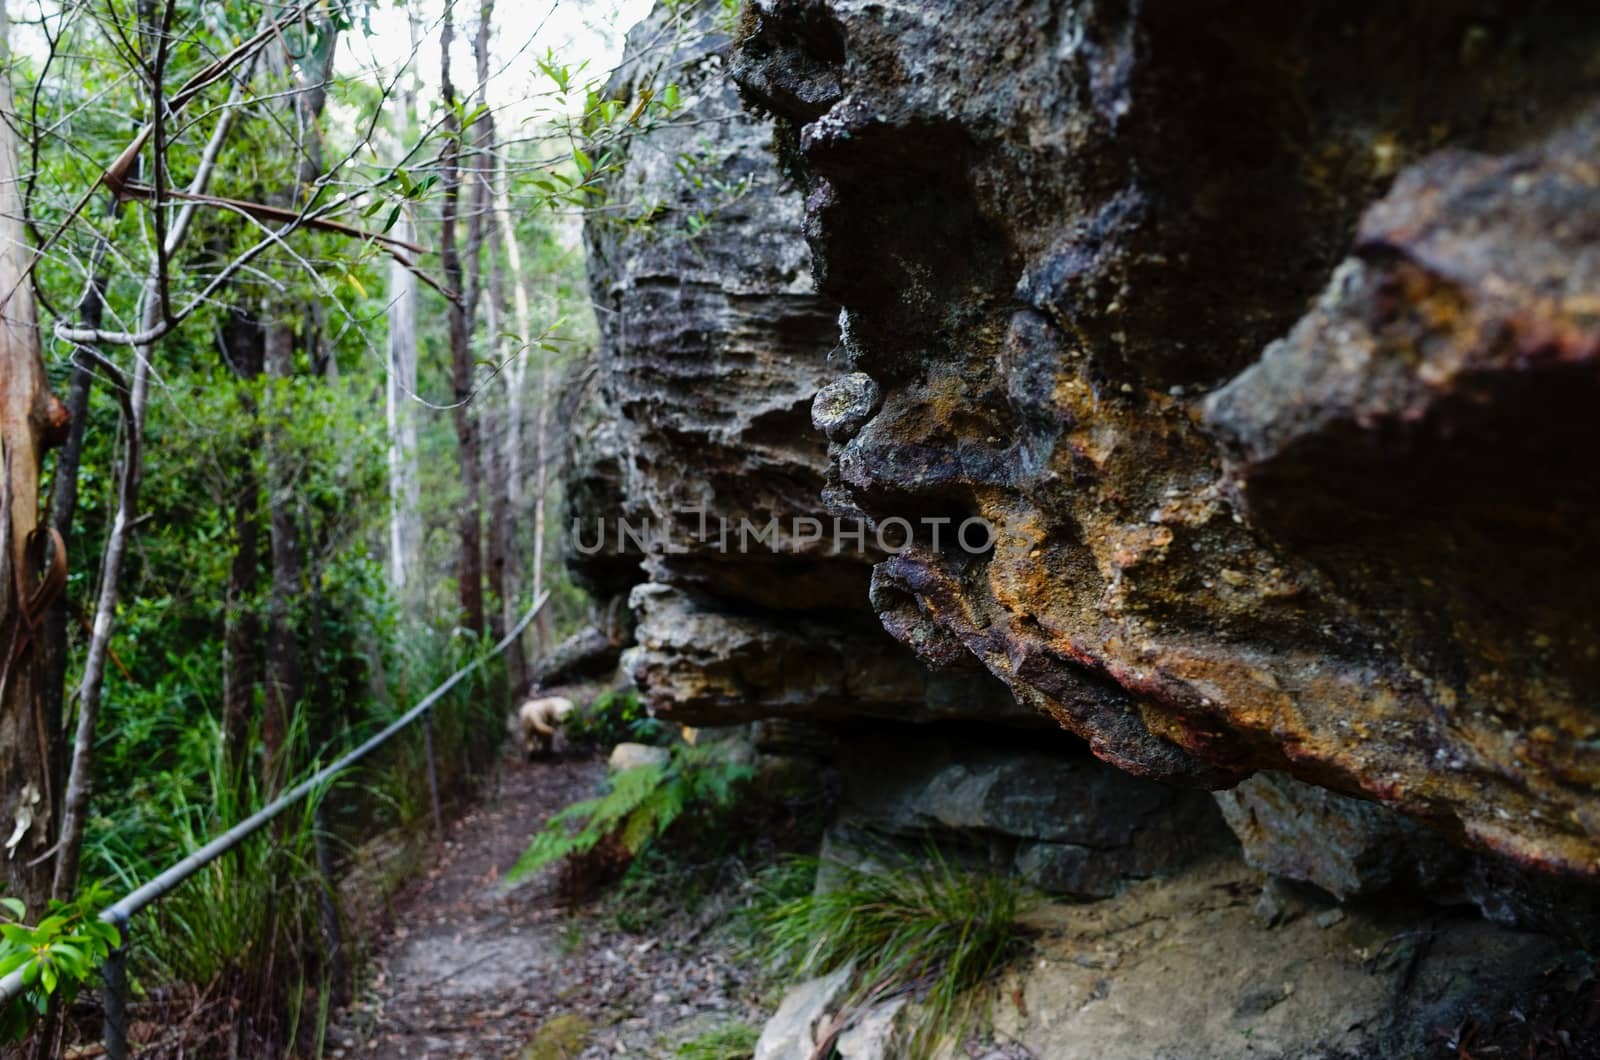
731 1041
925 927
245 927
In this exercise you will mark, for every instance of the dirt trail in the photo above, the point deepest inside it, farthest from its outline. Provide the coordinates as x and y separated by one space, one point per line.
469 969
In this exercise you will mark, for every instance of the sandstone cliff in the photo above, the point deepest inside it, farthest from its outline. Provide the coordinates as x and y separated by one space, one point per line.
1266 337
697 428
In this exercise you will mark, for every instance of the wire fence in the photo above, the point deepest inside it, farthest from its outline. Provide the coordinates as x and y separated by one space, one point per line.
114 973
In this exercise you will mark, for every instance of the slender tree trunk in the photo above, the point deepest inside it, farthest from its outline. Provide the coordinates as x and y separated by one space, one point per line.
29 418
80 779
405 487
242 671
541 491
469 562
517 370
516 418
502 551
495 409
63 509
285 684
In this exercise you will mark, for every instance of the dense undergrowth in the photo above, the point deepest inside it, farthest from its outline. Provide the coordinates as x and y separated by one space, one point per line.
236 957
708 838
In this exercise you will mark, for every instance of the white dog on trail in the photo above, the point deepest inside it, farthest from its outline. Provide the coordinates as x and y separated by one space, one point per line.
538 719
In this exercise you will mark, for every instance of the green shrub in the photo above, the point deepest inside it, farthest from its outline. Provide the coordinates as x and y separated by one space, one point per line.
58 955
926 927
639 805
615 717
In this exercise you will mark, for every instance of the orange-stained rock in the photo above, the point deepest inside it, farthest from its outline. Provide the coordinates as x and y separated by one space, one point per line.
1266 496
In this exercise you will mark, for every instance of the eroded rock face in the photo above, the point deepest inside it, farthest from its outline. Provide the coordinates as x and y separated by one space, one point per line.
713 345
1043 809
1345 846
1064 233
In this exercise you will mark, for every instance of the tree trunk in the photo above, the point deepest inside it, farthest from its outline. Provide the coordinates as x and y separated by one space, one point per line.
405 487
63 509
285 684
496 409
242 671
29 420
516 417
469 562
502 552
80 779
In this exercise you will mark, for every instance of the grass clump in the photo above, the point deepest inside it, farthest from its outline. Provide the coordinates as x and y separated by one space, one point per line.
926 928
731 1041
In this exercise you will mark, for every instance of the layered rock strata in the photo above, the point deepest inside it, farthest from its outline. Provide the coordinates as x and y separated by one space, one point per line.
704 468
1075 245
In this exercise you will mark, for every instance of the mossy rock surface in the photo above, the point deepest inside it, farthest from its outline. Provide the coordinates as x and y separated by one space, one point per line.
560 1038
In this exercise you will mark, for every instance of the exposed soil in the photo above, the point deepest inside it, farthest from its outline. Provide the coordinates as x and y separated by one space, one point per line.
469 968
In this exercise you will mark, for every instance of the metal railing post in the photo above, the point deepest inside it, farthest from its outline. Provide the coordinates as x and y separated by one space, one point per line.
114 975
332 938
433 772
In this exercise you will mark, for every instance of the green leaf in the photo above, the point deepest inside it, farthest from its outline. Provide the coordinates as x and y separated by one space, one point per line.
67 950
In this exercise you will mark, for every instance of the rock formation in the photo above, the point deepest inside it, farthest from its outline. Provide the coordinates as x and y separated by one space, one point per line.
1263 340
1266 338
713 345
697 434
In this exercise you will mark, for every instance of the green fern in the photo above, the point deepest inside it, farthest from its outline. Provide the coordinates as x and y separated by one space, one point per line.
639 805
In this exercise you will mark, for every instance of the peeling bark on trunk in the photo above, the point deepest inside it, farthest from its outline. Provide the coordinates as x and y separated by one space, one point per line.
28 417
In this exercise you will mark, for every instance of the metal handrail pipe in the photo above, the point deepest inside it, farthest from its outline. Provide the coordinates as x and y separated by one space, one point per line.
124 909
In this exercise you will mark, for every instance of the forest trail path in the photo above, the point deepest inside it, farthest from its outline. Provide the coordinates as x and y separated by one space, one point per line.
470 969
